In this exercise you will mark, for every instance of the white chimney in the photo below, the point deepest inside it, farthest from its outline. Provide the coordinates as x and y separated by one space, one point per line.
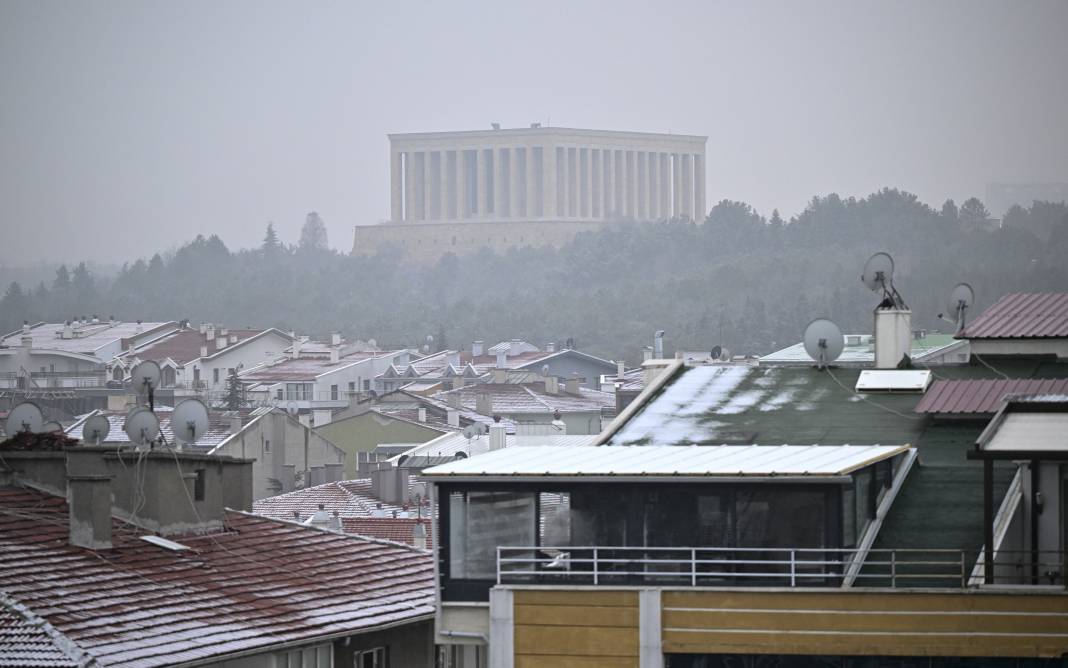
421 413
502 360
550 347
27 341
139 328
233 339
621 369
497 436
571 385
658 344
220 342
225 331
25 327
476 348
453 400
647 354
893 336
68 331
453 416
419 536
335 339
552 385
203 328
210 334
203 351
294 351
334 523
335 355
484 403
500 376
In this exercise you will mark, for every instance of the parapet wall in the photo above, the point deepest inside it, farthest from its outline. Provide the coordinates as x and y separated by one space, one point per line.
429 241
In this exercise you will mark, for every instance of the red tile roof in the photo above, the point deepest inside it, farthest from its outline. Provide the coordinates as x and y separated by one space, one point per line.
397 529
982 396
1022 315
26 640
350 498
184 346
256 585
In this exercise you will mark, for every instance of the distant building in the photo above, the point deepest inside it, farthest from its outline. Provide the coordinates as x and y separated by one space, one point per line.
501 188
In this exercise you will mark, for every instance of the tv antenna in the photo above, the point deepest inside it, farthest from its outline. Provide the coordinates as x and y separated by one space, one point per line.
96 429
145 379
141 426
26 417
189 421
823 342
959 300
473 431
879 275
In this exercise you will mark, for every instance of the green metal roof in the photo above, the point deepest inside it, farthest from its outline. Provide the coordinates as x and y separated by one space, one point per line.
863 351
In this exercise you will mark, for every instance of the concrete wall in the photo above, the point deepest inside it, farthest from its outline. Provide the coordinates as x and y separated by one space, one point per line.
409 645
1058 347
428 242
577 423
565 365
363 433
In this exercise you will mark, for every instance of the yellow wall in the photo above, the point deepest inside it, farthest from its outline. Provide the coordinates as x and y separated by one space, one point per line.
576 629
891 623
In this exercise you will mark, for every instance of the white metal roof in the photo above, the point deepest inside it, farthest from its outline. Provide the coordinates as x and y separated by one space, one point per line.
1030 431
893 380
448 445
694 460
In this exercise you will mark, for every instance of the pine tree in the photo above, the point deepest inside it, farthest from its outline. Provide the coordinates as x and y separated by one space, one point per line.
235 393
313 234
270 240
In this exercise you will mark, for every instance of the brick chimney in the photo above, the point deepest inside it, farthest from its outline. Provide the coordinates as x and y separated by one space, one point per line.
89 498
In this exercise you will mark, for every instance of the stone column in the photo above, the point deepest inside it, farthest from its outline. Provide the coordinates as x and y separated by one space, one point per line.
676 183
643 185
654 185
513 182
548 181
597 165
480 176
699 183
575 167
626 167
563 202
587 177
665 185
443 184
617 177
409 186
396 183
462 205
687 185
428 186
500 184
530 209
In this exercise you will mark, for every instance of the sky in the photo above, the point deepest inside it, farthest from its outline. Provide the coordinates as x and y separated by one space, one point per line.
127 128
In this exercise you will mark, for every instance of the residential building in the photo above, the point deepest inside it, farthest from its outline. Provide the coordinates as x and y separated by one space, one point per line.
125 558
791 515
1021 323
927 349
375 427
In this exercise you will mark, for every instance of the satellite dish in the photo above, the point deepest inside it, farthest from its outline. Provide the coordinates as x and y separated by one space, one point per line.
475 430
958 302
96 429
879 275
189 421
24 417
145 377
372 343
545 369
142 426
292 408
51 427
716 352
460 455
823 341
417 492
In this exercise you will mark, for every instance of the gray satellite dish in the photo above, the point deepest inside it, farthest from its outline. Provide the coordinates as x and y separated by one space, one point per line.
189 421
292 408
958 302
145 377
372 343
823 341
141 426
879 275
474 430
24 417
96 429
51 427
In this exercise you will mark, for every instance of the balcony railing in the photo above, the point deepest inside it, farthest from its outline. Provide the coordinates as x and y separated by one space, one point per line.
765 567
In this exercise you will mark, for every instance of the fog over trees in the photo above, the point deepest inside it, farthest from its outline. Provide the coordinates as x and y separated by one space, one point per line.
740 279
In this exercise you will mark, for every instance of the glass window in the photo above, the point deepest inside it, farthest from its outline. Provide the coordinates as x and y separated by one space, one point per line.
371 658
215 375
862 487
849 517
479 522
333 392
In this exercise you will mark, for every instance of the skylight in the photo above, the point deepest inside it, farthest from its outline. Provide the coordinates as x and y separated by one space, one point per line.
893 380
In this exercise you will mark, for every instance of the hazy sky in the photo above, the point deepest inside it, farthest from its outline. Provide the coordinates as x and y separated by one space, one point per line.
129 127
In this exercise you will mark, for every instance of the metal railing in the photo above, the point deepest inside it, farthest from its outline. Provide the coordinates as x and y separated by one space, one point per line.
765 567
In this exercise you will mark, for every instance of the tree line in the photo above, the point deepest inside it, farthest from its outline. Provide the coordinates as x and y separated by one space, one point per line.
737 279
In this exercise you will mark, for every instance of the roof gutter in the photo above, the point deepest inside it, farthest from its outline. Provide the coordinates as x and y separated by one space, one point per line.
639 402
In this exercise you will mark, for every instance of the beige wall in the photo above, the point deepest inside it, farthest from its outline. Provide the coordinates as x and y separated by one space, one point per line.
363 433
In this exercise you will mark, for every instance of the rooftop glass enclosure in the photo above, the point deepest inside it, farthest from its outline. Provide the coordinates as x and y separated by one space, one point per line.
654 530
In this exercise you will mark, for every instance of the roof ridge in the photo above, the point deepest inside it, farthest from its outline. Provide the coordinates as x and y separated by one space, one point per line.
371 539
537 398
68 647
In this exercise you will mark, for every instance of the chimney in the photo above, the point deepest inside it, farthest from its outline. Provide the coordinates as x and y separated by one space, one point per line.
453 400
25 327
458 382
334 472
476 348
210 334
112 321
335 355
550 347
497 435
96 319
658 344
27 341
453 416
419 536
621 369
89 498
235 424
224 332
552 385
893 336
233 339
421 413
500 376
294 351
571 385
647 354
334 523
203 328
139 328
653 368
335 339
203 351
68 331
484 403
220 342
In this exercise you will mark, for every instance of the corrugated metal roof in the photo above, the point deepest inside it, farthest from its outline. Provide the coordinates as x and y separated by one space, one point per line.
695 460
259 584
956 397
1022 315
448 445
1030 431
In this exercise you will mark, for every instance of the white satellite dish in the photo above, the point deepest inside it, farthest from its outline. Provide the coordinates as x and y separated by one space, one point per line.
51 427
958 302
292 408
879 275
96 429
823 341
145 377
189 421
26 416
141 426
475 430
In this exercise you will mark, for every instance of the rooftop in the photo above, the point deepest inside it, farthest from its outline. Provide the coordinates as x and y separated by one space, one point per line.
219 426
397 529
184 346
447 446
727 461
88 338
515 398
305 369
139 604
1022 315
350 498
982 397
859 349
